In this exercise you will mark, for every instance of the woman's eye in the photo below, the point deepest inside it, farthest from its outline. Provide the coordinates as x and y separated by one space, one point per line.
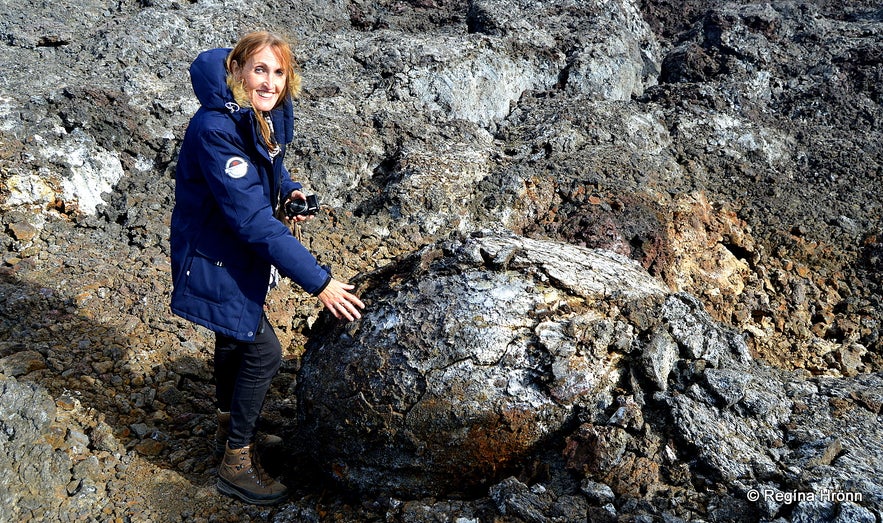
259 70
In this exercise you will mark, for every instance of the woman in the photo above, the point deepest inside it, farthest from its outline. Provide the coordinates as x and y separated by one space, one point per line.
226 241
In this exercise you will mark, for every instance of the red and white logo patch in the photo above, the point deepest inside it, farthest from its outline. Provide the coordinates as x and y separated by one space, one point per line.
236 167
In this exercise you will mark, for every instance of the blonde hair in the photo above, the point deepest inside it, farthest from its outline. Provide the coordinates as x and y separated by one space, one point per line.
248 46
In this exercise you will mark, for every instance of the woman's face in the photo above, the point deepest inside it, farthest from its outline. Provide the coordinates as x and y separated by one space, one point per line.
264 78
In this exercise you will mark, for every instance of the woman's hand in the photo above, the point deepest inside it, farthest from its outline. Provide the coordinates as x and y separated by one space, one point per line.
342 303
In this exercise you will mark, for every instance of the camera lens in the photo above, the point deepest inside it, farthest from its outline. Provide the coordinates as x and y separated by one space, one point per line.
295 207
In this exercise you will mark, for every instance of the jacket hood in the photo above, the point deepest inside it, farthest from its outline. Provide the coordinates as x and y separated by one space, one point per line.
208 75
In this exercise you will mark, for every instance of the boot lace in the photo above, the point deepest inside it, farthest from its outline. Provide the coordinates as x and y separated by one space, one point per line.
255 470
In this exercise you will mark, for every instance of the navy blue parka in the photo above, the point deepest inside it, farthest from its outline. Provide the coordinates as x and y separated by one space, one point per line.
224 234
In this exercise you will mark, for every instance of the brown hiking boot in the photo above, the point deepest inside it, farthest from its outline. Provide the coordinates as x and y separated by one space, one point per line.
261 440
240 475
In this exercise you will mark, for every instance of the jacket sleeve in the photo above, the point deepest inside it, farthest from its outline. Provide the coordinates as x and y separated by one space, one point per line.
238 190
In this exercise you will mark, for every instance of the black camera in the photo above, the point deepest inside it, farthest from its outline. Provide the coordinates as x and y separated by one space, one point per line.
298 207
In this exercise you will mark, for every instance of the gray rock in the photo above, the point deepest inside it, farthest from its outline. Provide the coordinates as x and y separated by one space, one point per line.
836 442
696 332
628 415
829 512
728 385
659 357
21 363
514 498
35 474
597 493
466 360
730 438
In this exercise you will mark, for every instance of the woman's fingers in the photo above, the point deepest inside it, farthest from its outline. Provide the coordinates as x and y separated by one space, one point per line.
342 303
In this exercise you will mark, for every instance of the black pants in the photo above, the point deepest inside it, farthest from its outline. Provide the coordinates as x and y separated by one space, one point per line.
243 371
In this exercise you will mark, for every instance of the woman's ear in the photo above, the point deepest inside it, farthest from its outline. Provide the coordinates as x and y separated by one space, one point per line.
234 69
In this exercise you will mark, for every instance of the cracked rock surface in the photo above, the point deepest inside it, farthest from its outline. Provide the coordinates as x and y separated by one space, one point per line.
473 353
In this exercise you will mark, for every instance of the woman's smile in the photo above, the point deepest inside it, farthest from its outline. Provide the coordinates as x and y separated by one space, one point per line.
264 78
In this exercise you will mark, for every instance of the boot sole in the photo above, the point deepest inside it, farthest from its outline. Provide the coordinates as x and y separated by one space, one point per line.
230 490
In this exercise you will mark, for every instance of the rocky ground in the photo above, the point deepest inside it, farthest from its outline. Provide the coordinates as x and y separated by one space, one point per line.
732 149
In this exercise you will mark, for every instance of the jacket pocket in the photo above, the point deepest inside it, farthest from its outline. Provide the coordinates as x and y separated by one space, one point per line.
210 280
